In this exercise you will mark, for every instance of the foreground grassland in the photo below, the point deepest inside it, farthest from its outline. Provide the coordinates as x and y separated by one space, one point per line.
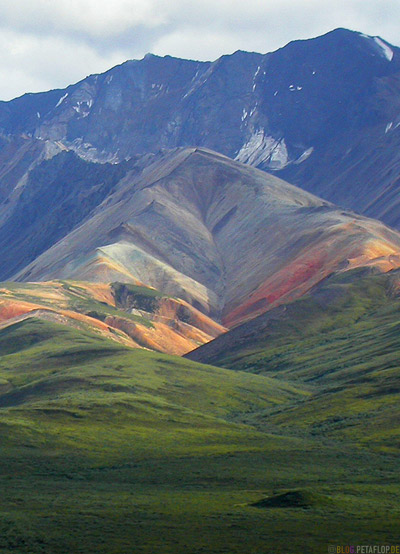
110 450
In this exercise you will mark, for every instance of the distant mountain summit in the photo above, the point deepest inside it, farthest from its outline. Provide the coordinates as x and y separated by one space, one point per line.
323 113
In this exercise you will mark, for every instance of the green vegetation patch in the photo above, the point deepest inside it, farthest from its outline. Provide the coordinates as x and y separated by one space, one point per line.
82 302
128 297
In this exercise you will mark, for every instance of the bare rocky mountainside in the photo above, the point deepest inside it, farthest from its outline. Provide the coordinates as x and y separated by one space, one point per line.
322 114
229 239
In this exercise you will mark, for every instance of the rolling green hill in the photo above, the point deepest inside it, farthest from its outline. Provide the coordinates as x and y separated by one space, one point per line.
341 342
73 389
105 449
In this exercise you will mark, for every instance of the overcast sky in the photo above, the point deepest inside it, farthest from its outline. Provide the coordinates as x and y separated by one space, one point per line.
51 43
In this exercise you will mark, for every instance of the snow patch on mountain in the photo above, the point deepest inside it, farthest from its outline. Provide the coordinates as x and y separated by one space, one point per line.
252 111
83 107
264 149
386 50
306 154
255 77
61 100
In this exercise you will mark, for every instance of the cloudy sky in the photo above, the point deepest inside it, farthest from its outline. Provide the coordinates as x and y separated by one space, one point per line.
51 43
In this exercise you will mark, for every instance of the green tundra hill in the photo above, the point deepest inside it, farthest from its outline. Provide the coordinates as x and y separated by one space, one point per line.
341 343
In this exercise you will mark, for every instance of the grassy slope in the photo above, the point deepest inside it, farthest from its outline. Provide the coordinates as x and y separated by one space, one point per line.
342 343
60 376
109 450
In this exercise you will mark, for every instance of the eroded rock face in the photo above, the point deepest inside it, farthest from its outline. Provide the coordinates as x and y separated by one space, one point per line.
226 238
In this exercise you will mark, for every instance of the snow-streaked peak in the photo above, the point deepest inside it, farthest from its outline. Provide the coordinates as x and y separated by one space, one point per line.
381 46
386 50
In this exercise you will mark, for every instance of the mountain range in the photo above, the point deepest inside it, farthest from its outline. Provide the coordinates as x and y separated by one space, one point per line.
170 214
320 113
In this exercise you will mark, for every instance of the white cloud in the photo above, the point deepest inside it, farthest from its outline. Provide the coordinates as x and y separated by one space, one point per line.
92 17
32 63
48 43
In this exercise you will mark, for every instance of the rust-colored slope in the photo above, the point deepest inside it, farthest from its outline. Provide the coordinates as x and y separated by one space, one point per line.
174 326
173 337
313 264
12 310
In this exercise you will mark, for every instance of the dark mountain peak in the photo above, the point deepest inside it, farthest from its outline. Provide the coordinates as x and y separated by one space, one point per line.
150 56
340 43
340 33
243 55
